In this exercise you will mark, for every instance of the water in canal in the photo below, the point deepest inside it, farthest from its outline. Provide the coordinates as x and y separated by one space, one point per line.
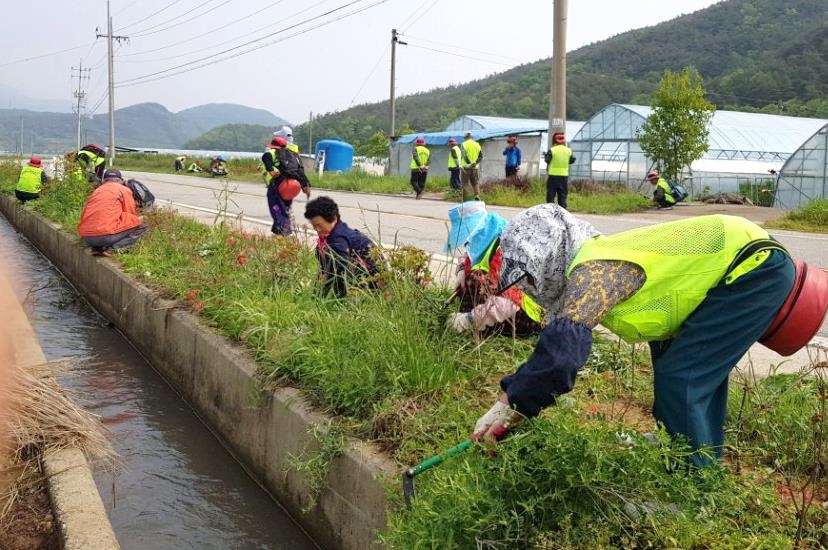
178 487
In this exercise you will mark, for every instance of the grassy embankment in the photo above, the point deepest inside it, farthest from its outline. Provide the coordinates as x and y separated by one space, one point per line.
384 365
533 192
813 218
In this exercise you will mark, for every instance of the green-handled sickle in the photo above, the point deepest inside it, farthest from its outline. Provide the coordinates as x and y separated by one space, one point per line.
411 473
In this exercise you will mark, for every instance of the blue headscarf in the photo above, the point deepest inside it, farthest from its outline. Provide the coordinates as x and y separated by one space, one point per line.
484 235
464 218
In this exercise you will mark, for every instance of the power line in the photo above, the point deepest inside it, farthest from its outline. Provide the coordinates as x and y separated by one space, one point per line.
155 29
150 16
425 11
427 41
228 50
50 54
212 31
461 55
370 74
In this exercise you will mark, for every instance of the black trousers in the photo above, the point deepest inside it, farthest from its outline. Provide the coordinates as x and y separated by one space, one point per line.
557 186
24 196
511 171
418 180
454 178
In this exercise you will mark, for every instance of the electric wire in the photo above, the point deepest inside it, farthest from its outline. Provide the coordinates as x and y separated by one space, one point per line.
453 46
370 74
150 16
188 66
425 11
24 59
156 30
212 31
460 55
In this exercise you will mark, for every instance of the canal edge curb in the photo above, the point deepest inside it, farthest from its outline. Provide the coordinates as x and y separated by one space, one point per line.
79 512
263 430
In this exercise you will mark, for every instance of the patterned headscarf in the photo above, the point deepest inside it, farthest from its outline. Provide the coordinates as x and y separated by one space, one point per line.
541 242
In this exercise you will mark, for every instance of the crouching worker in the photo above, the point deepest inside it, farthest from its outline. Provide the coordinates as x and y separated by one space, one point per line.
108 220
345 255
31 180
701 291
481 308
662 194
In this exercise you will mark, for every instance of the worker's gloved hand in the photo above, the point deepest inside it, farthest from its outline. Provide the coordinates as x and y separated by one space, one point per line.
307 191
496 423
460 322
460 279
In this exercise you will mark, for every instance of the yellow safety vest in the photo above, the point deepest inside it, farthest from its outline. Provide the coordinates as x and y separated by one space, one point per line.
452 161
293 147
90 159
530 307
682 260
559 165
423 155
471 152
29 180
662 183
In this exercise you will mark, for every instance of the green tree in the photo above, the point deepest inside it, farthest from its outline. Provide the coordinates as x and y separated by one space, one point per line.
375 146
675 134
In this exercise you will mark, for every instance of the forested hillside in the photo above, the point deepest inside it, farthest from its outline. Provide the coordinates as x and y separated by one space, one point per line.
142 125
233 137
759 55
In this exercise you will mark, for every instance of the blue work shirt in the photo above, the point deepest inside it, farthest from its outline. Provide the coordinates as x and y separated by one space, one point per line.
512 155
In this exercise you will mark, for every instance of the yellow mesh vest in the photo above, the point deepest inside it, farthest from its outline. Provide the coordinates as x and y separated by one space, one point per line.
29 181
683 260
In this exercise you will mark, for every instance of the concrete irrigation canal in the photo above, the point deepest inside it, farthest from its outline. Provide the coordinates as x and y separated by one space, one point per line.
177 487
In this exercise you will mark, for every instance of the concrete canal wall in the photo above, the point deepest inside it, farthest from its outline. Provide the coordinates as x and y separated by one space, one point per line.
262 428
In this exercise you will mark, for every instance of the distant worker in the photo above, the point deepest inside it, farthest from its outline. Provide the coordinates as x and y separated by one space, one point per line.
287 180
454 164
558 159
92 160
420 158
287 133
662 195
218 166
195 166
108 220
513 157
345 255
179 163
31 180
470 173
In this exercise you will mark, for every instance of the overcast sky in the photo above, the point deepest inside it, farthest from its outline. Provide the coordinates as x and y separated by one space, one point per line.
345 61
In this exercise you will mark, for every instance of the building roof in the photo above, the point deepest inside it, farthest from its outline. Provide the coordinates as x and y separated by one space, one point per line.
479 122
735 134
441 138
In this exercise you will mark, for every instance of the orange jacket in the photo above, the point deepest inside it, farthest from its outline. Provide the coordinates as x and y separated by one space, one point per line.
110 209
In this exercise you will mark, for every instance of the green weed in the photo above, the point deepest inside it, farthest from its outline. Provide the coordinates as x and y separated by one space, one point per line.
812 218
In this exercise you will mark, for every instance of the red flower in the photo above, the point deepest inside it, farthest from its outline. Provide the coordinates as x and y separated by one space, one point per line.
231 241
192 295
242 259
198 306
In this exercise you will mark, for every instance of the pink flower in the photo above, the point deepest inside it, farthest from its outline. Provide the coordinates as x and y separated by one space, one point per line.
242 259
231 241
198 306
192 295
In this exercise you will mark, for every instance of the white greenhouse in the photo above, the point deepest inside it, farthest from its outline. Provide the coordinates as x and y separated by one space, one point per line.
804 176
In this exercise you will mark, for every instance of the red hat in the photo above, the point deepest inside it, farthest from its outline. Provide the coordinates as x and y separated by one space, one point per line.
278 141
558 137
653 175
35 161
511 139
420 141
452 141
288 189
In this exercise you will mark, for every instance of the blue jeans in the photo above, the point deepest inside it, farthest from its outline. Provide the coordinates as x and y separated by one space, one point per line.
690 372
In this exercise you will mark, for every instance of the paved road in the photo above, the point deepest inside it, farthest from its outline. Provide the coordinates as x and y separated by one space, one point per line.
399 219
424 223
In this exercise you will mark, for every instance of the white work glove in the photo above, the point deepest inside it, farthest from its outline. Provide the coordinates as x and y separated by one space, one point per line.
460 322
460 278
496 423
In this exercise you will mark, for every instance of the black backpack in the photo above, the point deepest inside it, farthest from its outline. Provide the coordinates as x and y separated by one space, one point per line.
92 148
142 195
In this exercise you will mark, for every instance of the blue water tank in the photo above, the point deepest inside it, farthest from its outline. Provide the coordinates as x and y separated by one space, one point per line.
339 156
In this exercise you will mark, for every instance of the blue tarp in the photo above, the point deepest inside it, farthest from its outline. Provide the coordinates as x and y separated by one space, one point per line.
441 138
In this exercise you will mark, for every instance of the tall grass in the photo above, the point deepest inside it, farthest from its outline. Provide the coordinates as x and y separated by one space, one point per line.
811 218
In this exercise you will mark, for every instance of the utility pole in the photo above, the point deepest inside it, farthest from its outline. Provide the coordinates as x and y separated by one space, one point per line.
557 84
394 41
21 136
80 96
109 36
310 133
